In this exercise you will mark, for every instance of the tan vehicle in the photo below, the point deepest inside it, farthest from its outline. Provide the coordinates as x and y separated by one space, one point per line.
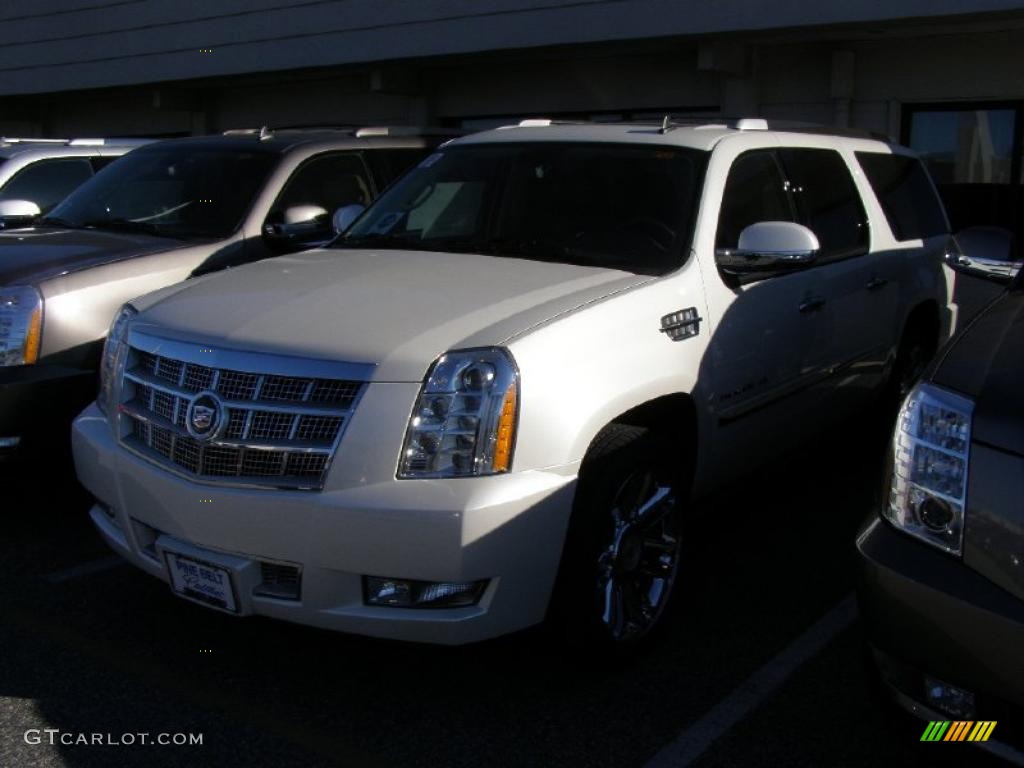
167 211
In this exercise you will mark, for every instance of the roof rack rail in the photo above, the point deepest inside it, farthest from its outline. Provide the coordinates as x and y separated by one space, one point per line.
364 131
670 123
406 130
544 122
13 140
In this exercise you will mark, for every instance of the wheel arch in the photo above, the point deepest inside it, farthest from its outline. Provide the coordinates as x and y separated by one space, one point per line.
672 418
925 315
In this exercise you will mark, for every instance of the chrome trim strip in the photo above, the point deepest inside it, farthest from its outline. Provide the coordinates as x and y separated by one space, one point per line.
284 483
248 362
275 406
251 445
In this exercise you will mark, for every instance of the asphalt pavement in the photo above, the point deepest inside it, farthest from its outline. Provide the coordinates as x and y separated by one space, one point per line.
744 674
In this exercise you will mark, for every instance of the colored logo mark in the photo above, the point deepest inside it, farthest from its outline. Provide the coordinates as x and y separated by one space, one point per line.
958 730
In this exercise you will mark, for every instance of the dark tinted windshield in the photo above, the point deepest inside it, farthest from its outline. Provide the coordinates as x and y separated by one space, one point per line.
173 190
605 205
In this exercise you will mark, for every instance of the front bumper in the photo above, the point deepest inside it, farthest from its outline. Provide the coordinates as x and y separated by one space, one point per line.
38 403
927 615
507 529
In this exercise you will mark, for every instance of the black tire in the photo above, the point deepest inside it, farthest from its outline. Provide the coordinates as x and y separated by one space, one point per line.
917 347
622 550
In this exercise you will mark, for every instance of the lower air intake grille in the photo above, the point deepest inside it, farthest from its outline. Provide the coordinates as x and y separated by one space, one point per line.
281 581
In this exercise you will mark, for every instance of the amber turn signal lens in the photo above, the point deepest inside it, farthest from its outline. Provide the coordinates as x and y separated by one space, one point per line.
34 336
506 432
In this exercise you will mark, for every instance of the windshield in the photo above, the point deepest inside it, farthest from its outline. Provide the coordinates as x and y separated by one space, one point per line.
618 206
181 191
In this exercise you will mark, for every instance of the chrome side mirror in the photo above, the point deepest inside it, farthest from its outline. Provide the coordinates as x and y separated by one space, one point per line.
18 213
768 247
985 252
298 224
345 216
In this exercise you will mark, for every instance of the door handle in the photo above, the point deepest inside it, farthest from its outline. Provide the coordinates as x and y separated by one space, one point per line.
875 283
811 304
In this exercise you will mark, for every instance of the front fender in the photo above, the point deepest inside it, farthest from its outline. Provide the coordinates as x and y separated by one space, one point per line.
581 372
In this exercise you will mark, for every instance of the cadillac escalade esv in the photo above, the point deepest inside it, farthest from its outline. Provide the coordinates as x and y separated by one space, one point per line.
493 400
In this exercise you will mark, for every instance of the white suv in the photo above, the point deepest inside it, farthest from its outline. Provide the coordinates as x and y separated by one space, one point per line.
494 400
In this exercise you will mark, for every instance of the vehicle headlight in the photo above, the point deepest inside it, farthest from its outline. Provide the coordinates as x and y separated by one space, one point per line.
929 479
21 325
115 352
464 421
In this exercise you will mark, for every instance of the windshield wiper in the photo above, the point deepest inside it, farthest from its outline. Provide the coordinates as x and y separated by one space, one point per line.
124 225
403 242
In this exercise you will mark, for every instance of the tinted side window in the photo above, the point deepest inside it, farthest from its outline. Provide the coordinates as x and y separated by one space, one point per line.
754 191
47 182
908 199
330 181
401 160
827 200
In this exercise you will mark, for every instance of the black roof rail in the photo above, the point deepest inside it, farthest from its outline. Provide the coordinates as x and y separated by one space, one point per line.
671 122
359 131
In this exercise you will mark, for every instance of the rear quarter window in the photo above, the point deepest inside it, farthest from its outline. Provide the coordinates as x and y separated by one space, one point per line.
906 194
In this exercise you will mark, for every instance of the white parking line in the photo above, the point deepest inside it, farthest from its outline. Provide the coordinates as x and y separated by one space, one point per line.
85 569
695 740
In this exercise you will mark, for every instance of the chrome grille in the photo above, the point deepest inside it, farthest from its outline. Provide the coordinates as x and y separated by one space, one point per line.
278 430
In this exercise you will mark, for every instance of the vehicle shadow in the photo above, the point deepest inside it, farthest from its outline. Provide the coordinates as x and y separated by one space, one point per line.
115 652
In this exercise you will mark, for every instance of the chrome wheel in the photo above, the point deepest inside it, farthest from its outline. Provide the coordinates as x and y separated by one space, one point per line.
639 557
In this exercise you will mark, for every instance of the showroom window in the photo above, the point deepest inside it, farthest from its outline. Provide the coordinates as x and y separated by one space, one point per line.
973 152
966 146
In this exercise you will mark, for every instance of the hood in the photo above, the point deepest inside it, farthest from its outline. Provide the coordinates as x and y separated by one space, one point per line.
986 363
28 256
398 310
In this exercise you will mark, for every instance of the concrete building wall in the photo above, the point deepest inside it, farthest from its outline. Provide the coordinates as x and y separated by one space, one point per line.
58 45
654 58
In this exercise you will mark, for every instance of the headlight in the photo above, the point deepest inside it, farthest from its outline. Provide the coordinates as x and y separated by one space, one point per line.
115 352
929 480
464 421
21 325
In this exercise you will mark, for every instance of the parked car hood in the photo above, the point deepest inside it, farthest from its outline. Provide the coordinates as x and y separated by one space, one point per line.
28 256
986 362
398 310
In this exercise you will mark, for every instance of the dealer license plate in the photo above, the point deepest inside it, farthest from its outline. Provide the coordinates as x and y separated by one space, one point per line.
201 581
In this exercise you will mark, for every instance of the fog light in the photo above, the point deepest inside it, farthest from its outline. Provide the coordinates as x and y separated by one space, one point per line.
955 702
403 593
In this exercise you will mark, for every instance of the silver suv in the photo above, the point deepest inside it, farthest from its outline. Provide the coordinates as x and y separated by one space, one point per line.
36 174
167 211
